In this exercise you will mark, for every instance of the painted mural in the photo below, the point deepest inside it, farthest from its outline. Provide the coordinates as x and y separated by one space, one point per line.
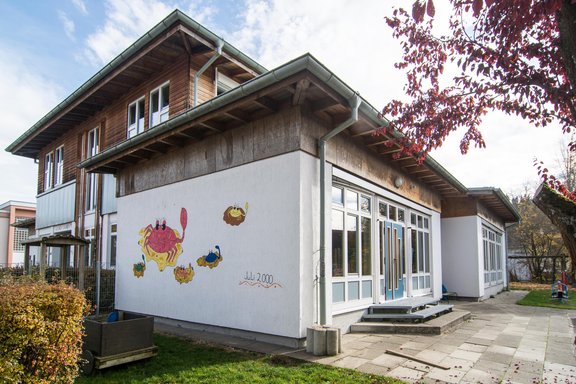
183 274
139 268
161 243
212 259
235 215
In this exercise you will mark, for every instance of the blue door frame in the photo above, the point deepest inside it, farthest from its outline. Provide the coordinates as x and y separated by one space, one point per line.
394 256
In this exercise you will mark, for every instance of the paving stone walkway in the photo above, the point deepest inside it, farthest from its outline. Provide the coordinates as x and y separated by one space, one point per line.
502 343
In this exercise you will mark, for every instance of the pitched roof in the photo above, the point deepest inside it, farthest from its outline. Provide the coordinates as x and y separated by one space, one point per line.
156 48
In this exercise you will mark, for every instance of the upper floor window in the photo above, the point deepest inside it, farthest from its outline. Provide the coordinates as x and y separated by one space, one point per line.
58 165
91 178
48 169
159 104
224 83
92 143
136 117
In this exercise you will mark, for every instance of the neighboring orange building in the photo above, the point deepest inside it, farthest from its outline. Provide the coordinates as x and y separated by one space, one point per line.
11 250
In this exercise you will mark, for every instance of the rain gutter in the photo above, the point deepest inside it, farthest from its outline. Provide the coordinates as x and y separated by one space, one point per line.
355 105
217 53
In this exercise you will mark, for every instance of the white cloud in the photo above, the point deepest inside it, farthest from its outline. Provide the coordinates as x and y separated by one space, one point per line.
350 37
26 97
128 20
81 6
68 25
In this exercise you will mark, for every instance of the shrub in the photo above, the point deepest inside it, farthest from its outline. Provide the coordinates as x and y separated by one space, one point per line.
40 332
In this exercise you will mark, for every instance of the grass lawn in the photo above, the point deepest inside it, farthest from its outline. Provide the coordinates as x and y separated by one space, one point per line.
183 361
543 298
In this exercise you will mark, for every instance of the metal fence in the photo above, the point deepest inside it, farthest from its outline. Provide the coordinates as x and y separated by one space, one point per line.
99 283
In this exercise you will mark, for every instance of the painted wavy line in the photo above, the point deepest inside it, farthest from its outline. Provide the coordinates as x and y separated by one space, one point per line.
259 284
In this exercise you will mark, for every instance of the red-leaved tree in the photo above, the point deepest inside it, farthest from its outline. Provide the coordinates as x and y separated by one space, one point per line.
514 56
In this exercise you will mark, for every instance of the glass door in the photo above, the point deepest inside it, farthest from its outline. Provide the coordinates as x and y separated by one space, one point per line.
393 234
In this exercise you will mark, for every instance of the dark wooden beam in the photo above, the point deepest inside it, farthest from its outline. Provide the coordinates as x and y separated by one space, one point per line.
300 92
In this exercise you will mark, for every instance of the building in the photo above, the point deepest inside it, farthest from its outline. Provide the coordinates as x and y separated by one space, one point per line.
233 198
11 248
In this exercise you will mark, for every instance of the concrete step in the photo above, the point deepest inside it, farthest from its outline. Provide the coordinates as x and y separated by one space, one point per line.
422 314
435 326
406 305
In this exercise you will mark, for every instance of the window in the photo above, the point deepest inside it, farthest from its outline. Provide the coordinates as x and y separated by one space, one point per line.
492 244
159 104
224 83
420 237
351 245
113 239
48 169
90 235
91 178
136 117
59 165
20 234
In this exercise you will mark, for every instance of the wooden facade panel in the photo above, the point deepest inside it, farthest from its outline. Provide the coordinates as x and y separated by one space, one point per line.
251 142
459 207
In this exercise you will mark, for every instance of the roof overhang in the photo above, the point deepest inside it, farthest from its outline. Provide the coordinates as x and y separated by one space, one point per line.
302 79
173 36
495 200
56 241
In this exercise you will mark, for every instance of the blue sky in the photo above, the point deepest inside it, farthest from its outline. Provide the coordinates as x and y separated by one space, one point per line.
50 48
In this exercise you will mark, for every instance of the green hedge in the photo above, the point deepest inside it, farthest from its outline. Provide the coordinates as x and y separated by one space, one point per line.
40 332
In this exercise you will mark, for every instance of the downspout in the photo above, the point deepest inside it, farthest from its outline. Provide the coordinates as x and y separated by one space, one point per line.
355 105
219 45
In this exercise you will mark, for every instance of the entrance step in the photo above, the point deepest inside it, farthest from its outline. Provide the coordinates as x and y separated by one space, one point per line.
406 305
420 314
434 326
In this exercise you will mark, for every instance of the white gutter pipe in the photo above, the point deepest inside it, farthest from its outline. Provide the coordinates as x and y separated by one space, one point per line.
355 105
217 53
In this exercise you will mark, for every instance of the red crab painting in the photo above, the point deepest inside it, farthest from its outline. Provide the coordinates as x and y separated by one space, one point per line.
161 243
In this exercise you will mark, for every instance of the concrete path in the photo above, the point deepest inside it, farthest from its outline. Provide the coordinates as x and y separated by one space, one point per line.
502 343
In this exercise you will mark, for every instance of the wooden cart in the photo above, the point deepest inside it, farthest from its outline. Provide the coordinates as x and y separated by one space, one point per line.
110 343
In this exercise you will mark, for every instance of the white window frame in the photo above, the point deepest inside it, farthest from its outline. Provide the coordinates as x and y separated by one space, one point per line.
421 273
138 125
359 279
113 251
90 235
48 171
492 250
59 165
224 83
92 143
159 113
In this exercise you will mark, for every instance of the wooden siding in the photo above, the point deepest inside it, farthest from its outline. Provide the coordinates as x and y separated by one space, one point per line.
459 207
112 120
274 135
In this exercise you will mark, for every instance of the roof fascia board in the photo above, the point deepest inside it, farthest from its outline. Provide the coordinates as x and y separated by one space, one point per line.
499 194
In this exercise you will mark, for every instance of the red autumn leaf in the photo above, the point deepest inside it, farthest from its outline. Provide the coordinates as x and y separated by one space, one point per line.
418 10
477 7
430 8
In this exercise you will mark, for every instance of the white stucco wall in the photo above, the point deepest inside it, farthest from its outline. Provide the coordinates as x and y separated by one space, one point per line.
309 239
462 264
267 242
